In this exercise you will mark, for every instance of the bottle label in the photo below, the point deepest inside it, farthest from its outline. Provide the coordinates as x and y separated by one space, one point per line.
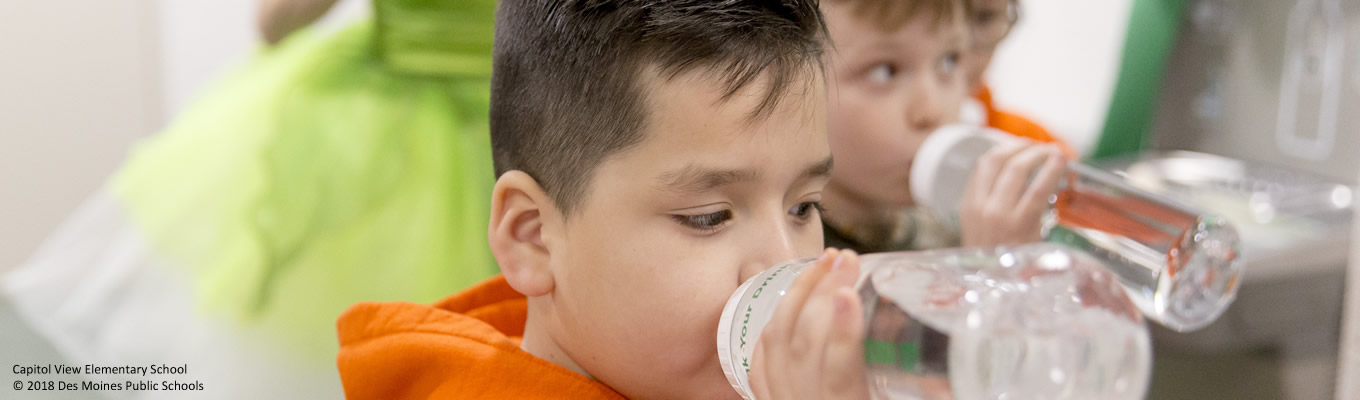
744 318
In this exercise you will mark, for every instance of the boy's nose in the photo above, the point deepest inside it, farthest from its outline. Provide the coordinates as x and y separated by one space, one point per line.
924 113
773 248
925 120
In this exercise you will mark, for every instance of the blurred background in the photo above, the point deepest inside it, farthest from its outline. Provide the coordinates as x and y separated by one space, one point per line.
1249 108
82 80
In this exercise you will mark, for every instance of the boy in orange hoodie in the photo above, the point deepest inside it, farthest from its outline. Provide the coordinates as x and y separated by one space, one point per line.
651 157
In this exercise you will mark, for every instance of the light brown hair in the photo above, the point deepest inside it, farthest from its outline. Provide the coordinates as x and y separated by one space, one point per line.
892 14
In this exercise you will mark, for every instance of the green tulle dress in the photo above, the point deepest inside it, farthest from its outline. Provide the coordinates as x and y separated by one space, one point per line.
328 170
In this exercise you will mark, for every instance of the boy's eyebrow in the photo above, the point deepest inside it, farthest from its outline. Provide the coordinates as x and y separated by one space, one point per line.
693 179
820 169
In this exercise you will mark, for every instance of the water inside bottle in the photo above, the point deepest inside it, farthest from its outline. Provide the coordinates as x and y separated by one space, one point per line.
1046 324
1180 265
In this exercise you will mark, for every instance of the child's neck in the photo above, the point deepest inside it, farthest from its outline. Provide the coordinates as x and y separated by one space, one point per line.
539 343
865 221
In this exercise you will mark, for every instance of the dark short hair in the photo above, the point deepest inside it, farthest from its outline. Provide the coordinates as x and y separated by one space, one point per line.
566 88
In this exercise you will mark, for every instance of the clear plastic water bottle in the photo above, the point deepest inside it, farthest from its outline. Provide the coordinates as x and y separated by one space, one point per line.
1181 266
1040 321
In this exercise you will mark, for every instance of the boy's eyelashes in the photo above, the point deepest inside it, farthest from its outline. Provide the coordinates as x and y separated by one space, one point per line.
805 211
704 222
711 222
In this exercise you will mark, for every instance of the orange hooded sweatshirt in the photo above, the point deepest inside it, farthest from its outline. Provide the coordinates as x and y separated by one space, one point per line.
1018 125
463 347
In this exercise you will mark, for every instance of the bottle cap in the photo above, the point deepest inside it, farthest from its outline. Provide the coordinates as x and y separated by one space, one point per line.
954 147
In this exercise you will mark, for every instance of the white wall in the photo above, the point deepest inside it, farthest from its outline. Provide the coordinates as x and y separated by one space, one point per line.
198 41
1059 65
78 82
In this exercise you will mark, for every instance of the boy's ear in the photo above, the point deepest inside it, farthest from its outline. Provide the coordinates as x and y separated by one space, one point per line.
519 207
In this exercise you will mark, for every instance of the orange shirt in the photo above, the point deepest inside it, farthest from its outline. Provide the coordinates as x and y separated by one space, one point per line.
465 346
1018 125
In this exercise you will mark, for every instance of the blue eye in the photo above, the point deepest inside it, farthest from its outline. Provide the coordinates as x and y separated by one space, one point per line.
704 222
949 62
882 73
804 211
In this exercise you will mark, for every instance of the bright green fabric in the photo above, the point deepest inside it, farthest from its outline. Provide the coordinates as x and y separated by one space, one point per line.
436 37
1153 28
316 176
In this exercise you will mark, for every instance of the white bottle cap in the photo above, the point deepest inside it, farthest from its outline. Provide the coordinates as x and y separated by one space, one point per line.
943 164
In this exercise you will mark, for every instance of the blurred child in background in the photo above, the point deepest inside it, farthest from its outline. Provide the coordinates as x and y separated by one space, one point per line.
898 72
